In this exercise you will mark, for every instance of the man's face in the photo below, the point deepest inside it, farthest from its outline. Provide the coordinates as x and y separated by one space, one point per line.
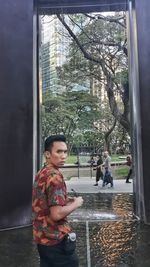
58 154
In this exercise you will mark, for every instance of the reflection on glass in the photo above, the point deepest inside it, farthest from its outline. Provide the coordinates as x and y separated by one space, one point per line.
112 240
123 205
105 206
112 243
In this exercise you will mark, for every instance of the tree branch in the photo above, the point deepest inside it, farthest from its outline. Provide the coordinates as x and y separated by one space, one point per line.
110 19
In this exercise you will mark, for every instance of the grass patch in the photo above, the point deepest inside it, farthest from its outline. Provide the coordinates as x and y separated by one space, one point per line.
117 157
120 172
71 159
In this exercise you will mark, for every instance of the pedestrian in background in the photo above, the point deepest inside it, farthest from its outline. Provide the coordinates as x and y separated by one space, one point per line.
107 170
98 168
129 164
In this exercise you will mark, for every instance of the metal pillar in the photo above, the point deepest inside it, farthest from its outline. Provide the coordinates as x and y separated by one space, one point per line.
16 112
140 101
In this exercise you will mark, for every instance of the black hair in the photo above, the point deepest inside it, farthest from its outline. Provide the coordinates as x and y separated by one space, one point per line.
51 139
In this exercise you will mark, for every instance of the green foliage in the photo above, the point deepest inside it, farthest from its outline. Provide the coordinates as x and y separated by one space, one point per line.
120 172
98 53
82 114
71 114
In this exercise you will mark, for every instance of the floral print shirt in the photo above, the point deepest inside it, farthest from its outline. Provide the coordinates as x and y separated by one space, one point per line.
49 189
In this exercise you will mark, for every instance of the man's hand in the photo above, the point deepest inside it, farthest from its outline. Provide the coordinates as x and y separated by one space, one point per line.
78 201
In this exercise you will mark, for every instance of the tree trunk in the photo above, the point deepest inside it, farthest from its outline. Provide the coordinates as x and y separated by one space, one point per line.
107 138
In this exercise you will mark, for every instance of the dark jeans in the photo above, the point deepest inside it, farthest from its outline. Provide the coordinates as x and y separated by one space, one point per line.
98 176
56 256
107 179
129 175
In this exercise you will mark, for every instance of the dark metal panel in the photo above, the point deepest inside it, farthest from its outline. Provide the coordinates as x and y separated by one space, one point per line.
140 94
65 6
16 123
143 40
135 111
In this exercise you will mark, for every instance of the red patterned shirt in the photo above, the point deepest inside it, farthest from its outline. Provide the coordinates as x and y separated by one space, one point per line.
49 189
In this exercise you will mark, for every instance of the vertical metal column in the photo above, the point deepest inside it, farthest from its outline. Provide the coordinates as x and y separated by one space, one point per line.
140 98
135 110
16 112
142 9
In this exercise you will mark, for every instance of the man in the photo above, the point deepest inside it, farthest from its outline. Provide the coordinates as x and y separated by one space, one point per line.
50 205
107 172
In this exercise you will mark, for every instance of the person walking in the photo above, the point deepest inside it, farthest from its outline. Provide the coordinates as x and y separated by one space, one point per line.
129 164
107 170
99 173
50 207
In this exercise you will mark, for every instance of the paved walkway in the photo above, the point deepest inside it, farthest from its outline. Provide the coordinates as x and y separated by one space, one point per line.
86 185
